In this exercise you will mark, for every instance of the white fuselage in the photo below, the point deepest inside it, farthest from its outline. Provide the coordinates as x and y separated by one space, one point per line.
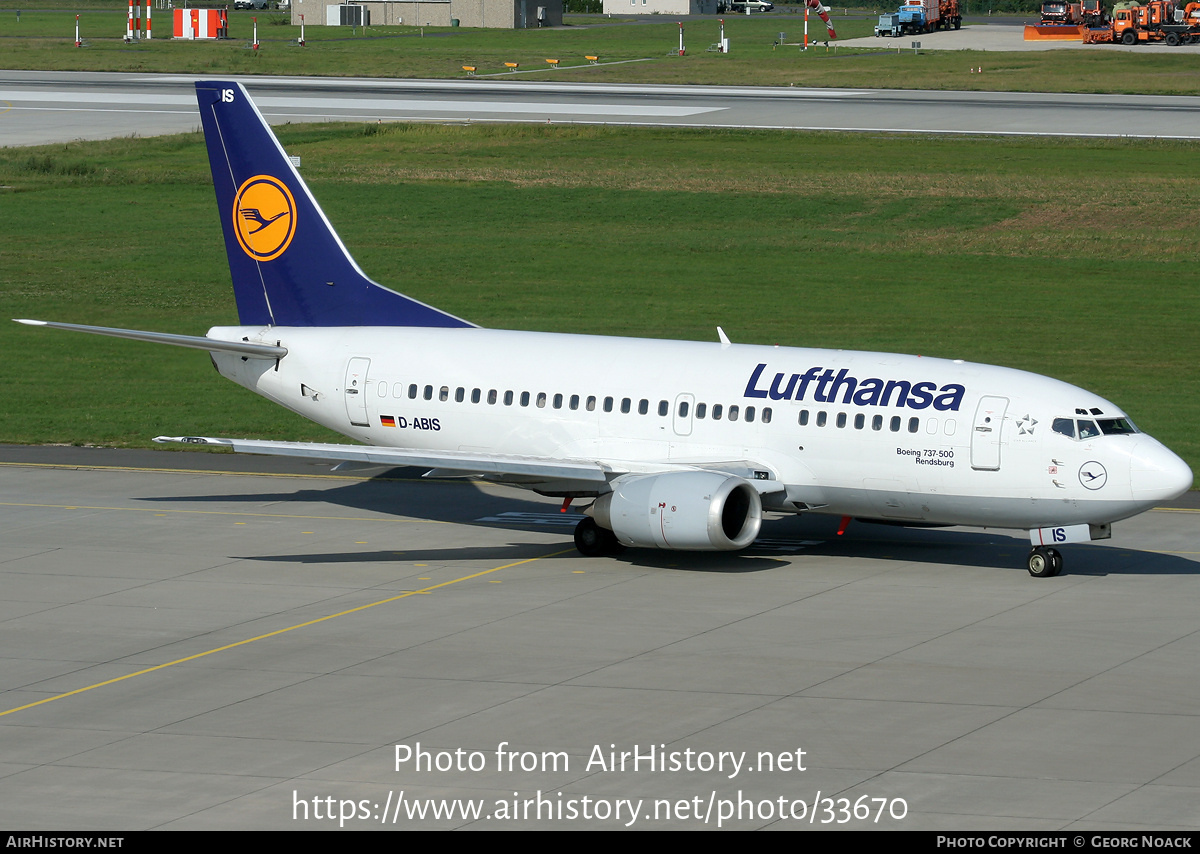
873 435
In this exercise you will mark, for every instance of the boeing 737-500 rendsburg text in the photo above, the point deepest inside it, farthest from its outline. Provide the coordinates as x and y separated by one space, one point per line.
677 444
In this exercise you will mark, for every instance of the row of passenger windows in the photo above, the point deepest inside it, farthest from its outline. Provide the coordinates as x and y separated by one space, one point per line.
558 401
894 424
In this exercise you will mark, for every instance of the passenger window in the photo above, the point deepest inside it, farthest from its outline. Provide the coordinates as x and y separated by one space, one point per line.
558 398
821 419
444 394
894 426
683 409
701 408
574 401
663 407
383 389
459 394
949 426
475 395
508 398
643 406
717 412
429 392
412 392
913 424
766 416
625 404
541 400
492 396
749 413
398 390
524 398
860 421
1065 426
841 420
608 404
733 413
876 422
931 427
803 417
591 403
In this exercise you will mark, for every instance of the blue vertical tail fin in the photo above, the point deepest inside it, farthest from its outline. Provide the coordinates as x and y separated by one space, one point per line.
289 266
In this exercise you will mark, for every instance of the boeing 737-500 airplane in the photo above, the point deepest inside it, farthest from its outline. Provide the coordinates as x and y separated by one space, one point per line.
676 444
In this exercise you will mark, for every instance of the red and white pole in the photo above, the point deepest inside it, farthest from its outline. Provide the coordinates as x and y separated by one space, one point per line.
129 23
78 43
137 19
301 31
256 33
149 3
681 50
806 27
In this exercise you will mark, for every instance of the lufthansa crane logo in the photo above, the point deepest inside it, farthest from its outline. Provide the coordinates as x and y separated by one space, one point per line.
1093 475
264 217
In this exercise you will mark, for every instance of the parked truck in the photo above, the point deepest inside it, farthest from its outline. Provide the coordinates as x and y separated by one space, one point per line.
919 16
1094 14
925 16
1158 20
949 15
1061 12
1067 20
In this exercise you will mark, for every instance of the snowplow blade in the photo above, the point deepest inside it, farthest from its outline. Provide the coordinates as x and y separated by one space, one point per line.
1054 32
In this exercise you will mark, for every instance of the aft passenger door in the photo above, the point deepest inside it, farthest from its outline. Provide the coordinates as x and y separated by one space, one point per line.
356 391
985 433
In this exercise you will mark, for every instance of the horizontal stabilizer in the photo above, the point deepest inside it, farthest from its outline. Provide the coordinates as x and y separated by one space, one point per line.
197 342
483 464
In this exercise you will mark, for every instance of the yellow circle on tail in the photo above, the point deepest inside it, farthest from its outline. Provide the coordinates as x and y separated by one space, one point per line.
264 217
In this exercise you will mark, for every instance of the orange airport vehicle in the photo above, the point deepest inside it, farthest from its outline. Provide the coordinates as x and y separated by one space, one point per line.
1158 20
1093 13
950 15
1062 20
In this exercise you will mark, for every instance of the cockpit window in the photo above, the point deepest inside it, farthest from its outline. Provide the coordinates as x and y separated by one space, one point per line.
1084 429
1066 426
1116 426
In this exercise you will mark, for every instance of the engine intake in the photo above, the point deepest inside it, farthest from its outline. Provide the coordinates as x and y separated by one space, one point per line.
687 511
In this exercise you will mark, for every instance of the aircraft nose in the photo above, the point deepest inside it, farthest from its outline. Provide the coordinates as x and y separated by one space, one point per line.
1156 474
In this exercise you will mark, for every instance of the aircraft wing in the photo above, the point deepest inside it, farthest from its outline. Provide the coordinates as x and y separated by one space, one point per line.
462 462
466 464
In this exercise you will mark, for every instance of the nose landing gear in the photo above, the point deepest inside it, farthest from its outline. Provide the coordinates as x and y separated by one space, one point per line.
1044 562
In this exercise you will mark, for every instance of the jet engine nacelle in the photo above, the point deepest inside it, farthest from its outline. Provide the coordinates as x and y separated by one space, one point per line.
686 510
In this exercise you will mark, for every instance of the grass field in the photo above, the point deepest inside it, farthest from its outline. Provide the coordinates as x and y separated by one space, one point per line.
1068 258
642 53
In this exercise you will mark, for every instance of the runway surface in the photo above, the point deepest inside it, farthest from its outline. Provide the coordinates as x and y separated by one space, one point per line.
210 641
44 107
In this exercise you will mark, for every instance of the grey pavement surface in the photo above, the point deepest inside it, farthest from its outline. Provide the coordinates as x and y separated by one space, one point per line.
198 641
45 107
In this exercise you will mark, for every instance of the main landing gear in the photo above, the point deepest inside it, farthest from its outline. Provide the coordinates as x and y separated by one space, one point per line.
1043 562
594 541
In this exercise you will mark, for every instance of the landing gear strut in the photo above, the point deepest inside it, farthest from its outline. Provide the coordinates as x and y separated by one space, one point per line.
594 541
1045 562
